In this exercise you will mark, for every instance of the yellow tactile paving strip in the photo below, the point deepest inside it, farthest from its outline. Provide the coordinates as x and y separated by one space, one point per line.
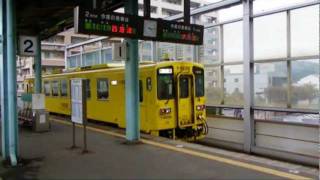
198 154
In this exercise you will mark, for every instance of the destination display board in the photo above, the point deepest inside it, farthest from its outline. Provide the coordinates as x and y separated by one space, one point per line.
179 32
103 23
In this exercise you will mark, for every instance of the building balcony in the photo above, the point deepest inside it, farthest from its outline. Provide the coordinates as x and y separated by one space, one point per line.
52 62
20 78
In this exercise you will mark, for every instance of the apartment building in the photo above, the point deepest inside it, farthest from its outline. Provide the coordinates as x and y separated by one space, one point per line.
52 57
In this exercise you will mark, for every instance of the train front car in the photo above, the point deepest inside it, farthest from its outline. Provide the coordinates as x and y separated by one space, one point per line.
180 93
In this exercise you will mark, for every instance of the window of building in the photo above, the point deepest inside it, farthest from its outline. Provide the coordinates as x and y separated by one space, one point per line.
102 89
55 39
177 2
63 88
153 9
169 12
55 88
236 80
75 40
53 54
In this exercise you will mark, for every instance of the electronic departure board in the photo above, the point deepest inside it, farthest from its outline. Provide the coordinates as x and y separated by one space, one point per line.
128 26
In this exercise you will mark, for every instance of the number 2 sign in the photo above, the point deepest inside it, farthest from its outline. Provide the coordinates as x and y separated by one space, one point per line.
28 45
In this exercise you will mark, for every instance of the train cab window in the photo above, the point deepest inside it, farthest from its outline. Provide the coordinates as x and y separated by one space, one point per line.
102 89
46 87
88 91
63 88
55 88
199 81
165 83
140 91
184 87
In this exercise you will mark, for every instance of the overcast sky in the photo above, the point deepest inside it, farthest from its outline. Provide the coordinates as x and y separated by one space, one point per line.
258 6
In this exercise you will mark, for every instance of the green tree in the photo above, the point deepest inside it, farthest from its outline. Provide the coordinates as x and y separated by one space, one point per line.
305 92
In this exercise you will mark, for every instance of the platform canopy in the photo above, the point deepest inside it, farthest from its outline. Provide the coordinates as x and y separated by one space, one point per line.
47 18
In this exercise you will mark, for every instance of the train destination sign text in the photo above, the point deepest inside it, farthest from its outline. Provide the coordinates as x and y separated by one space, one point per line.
128 26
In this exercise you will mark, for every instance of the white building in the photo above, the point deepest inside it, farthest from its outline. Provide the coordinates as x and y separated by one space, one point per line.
312 79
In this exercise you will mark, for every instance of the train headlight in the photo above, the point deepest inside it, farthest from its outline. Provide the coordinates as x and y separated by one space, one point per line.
201 107
165 111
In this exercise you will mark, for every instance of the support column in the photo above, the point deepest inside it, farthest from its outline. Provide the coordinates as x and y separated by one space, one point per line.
3 81
37 67
289 73
221 58
195 48
248 67
132 81
186 11
12 82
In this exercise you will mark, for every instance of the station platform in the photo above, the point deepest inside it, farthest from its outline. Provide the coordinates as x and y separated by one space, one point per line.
48 156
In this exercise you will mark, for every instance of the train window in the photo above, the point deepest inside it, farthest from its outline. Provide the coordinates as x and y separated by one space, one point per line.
88 91
149 85
140 91
184 86
102 89
199 81
46 87
55 88
63 88
165 83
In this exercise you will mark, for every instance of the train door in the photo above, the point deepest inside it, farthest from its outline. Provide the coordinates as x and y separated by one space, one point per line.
143 107
185 102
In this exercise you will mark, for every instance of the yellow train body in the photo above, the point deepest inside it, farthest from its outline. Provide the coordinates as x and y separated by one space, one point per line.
171 97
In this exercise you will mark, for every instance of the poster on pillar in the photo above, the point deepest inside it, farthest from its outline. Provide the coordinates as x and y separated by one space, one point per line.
28 45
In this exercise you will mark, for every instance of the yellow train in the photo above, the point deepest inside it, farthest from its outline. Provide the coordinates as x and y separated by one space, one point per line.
172 100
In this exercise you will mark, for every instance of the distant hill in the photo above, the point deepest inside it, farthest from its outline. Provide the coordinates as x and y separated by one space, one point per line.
301 69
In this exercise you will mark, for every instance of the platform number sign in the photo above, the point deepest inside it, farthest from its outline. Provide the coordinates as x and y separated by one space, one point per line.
28 45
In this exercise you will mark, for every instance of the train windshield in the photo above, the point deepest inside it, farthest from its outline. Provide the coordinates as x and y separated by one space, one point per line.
165 83
199 81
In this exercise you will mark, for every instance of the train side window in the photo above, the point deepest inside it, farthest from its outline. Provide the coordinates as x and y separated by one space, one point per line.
55 88
140 90
63 88
88 90
102 89
46 87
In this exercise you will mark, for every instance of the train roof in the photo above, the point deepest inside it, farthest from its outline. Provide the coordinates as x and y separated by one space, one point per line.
117 66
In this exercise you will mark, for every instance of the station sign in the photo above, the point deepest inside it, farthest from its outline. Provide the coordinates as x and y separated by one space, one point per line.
104 23
28 45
